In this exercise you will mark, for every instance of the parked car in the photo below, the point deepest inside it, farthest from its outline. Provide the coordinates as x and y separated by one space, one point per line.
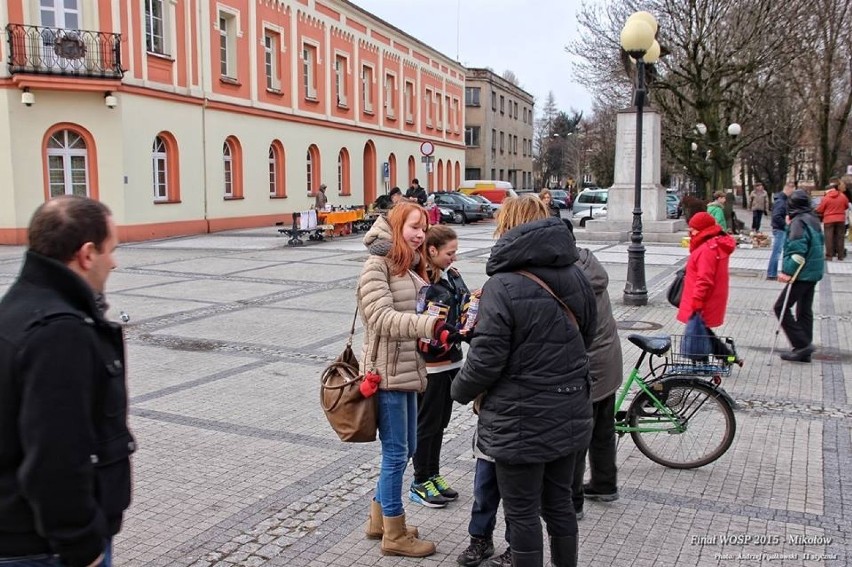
673 208
560 198
482 200
459 209
590 204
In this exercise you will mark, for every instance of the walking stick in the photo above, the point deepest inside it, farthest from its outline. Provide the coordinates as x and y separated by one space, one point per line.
800 260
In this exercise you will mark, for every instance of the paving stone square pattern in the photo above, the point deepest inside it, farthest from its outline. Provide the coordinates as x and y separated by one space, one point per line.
228 335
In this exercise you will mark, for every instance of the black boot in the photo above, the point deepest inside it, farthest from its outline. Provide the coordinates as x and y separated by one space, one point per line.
479 550
527 558
800 354
563 551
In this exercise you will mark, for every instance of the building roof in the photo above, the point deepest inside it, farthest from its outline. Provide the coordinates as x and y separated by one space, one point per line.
483 74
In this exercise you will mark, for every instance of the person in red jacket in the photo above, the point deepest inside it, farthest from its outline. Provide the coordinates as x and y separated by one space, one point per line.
832 211
705 286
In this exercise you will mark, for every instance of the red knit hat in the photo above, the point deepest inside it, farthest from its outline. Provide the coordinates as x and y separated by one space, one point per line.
701 221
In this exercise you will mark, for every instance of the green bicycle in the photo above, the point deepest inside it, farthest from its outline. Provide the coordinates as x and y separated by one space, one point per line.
681 417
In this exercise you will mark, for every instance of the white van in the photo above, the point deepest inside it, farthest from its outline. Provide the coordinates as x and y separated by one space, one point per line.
494 191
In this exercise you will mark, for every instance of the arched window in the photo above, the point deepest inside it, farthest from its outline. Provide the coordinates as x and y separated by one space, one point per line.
440 179
277 188
160 166
232 159
344 186
165 169
67 164
412 169
227 156
392 168
313 170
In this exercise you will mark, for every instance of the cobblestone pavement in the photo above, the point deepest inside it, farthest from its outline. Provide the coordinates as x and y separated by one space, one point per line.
229 332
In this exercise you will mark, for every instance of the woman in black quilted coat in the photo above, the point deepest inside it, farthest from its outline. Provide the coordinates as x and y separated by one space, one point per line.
528 358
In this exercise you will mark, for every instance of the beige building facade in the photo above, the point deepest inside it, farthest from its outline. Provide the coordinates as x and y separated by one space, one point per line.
499 118
190 116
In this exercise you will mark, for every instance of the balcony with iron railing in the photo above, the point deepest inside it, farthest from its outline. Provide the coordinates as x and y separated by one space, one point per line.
39 50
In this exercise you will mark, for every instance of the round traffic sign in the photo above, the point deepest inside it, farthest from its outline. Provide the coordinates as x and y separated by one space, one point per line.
427 148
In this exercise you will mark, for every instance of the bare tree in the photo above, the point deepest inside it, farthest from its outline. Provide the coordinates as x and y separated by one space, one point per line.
826 46
719 59
510 76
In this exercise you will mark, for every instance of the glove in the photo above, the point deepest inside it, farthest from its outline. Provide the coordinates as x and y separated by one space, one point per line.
446 333
370 384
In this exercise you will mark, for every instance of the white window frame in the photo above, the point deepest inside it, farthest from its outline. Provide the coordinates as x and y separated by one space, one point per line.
340 172
151 35
469 136
341 72
160 159
429 103
228 41
228 166
66 153
409 101
310 171
273 171
367 86
310 62
271 58
390 88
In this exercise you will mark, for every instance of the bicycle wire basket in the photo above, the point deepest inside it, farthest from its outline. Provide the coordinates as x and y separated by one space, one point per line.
718 362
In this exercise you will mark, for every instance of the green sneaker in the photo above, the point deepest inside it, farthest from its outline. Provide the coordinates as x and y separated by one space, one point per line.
444 488
427 494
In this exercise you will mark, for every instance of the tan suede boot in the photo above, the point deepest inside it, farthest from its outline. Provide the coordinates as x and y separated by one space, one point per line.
374 529
396 541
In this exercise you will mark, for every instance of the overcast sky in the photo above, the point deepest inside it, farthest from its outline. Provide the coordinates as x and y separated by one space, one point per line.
526 36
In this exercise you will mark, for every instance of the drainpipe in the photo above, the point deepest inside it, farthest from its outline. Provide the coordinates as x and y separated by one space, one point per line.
203 29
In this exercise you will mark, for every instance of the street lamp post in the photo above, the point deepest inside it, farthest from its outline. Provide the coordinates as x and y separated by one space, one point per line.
637 39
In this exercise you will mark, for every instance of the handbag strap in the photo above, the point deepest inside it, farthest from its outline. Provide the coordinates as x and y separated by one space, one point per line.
546 288
374 354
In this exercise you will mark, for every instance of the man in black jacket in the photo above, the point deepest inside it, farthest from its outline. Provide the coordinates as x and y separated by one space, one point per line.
64 441
416 193
779 229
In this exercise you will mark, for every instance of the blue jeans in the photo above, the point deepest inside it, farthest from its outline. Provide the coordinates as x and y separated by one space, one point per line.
52 560
398 435
777 246
486 500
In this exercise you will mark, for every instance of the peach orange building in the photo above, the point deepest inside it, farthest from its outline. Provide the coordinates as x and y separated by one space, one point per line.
188 116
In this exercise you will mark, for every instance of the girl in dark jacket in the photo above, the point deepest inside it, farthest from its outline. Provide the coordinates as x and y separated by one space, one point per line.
435 405
529 358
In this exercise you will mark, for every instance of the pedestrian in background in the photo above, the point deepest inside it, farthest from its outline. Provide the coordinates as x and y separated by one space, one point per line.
435 406
416 193
716 208
547 198
804 238
705 285
64 442
758 202
321 200
387 293
528 357
606 370
779 229
832 210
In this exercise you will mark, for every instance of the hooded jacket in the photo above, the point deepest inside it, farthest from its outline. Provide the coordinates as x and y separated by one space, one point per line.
527 355
606 365
387 305
705 287
833 207
805 238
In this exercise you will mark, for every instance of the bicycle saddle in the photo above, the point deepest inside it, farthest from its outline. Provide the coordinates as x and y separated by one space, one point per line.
658 345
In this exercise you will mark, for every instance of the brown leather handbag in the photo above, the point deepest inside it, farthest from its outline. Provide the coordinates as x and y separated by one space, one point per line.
350 414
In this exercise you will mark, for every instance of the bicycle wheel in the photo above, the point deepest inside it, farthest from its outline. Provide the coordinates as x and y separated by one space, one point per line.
704 431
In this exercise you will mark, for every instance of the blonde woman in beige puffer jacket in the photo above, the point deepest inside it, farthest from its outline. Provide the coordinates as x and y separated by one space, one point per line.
387 297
